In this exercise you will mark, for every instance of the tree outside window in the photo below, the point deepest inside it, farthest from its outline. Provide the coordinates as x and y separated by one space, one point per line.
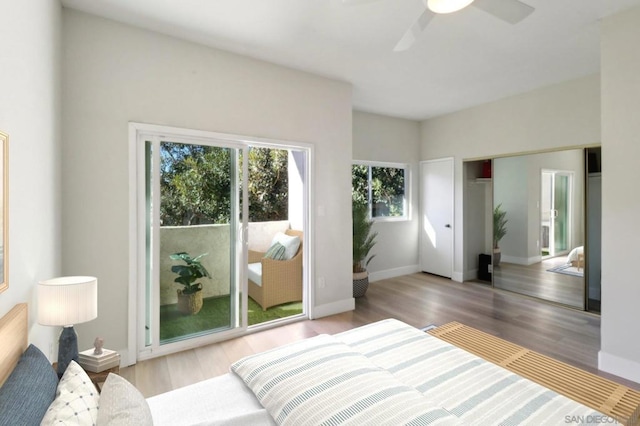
195 184
382 188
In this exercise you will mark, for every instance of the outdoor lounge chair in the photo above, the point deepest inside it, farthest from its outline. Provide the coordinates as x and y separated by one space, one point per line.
280 281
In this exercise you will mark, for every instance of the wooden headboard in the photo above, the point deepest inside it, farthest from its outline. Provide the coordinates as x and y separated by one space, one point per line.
14 330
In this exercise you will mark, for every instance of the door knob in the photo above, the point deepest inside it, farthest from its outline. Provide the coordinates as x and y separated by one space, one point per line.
447 226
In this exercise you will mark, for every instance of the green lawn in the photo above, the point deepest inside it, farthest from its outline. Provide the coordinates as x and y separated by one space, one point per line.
215 314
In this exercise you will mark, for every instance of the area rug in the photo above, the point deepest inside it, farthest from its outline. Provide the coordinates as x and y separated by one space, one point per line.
568 270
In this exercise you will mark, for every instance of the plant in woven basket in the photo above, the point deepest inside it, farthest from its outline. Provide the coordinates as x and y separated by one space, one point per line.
363 241
190 296
363 238
499 231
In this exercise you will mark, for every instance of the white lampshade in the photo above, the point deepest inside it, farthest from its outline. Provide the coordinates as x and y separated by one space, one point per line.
447 6
67 300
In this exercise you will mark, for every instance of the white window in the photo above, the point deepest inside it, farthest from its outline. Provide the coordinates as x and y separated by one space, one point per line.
384 187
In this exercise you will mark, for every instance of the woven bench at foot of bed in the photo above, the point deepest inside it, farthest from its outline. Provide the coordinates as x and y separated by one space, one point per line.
606 396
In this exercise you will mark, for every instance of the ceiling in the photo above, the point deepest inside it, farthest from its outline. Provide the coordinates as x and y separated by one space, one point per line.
462 59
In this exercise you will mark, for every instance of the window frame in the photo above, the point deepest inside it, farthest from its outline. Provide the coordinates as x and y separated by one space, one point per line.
406 210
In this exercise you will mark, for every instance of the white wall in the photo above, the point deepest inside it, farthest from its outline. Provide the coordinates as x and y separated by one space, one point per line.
30 114
620 327
387 139
113 74
295 176
562 115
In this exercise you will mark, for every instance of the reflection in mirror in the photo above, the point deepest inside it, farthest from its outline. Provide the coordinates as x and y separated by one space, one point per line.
542 251
593 218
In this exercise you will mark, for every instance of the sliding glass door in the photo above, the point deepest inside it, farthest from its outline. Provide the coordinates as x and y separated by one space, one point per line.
193 241
561 205
542 195
555 212
197 195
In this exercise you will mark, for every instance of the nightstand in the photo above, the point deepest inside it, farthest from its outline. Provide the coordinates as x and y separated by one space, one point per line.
97 378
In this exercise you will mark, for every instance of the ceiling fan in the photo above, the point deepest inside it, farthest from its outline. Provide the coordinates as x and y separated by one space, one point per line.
511 11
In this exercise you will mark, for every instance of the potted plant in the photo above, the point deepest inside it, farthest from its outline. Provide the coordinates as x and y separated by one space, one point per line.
190 296
363 242
499 231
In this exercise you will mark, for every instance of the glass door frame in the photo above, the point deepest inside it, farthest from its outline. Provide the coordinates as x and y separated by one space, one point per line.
239 225
136 295
553 252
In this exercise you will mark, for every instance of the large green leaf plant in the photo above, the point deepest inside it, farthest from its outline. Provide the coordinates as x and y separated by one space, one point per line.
190 272
363 238
499 225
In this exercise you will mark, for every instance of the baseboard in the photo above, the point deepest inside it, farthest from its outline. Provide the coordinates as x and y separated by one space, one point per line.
521 260
392 273
332 308
621 367
535 259
457 277
124 358
471 274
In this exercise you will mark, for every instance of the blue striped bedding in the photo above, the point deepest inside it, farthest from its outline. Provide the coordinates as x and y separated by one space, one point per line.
389 373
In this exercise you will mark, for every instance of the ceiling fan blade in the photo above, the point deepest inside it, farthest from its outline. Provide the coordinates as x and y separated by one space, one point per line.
414 31
511 11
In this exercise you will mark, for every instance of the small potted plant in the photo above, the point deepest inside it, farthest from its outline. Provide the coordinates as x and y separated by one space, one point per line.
499 231
190 296
363 242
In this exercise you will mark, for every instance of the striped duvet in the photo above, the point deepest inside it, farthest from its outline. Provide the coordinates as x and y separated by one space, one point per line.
389 373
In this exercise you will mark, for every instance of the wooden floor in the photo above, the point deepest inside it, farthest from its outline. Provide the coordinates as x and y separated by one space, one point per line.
536 281
419 299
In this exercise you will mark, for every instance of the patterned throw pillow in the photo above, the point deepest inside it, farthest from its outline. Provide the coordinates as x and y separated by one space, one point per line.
76 399
122 404
277 251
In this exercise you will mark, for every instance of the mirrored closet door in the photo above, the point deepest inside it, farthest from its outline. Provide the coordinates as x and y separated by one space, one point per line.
542 250
532 225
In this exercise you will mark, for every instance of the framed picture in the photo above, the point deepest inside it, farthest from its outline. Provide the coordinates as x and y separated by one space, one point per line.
4 211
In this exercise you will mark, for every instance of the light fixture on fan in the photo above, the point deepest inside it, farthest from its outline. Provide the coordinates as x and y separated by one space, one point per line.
510 11
447 6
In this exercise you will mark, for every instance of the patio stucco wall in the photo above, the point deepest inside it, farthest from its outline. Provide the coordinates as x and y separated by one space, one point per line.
195 240
212 239
261 233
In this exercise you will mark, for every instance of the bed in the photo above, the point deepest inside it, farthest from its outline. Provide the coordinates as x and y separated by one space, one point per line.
576 257
382 373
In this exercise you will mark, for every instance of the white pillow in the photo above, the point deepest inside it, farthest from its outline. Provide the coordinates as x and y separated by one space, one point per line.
76 399
290 243
122 404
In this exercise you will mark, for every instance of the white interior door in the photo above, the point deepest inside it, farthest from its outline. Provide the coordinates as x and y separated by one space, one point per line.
436 217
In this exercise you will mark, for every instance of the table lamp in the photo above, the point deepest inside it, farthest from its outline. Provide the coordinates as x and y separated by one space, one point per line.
66 301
